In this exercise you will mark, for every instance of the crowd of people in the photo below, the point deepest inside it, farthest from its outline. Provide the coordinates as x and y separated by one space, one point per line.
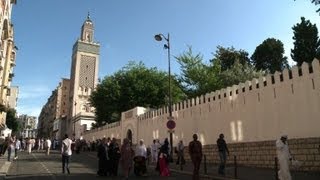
111 155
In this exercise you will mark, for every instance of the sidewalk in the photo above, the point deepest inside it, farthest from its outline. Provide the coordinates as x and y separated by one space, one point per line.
4 165
244 173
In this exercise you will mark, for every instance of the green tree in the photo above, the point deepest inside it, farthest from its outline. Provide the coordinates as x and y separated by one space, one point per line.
228 56
269 56
306 42
196 77
238 73
12 121
134 85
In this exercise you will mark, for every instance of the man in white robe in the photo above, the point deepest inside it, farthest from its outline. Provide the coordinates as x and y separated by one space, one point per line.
284 158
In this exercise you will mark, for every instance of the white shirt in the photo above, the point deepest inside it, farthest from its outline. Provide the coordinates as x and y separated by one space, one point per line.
18 144
141 151
282 150
48 143
66 147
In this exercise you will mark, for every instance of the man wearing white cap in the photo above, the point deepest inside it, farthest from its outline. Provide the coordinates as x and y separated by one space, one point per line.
284 158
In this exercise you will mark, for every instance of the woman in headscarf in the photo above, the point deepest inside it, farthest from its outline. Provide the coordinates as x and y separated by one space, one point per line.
163 161
126 158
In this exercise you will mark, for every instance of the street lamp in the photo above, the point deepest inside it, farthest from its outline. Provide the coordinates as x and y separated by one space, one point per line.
159 37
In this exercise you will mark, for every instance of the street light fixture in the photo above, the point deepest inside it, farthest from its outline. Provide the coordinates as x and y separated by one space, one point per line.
159 37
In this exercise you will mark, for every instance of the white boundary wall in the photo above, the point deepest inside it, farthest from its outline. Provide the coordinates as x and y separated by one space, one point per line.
262 109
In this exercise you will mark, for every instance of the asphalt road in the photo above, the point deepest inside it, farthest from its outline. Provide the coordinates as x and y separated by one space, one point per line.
83 166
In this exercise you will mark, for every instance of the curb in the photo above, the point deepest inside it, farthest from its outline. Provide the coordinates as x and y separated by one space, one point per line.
5 168
201 175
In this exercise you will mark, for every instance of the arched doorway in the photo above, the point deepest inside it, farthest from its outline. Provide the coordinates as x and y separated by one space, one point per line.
129 135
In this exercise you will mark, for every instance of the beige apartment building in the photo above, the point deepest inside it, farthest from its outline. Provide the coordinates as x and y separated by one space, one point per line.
13 98
7 56
28 124
47 116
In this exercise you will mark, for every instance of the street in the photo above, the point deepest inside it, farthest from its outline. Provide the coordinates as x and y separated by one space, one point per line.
83 166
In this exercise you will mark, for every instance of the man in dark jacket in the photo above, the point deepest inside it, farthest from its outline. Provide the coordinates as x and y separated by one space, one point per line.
103 158
114 151
223 150
195 151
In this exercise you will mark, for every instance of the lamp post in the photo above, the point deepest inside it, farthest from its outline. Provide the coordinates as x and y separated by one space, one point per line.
159 37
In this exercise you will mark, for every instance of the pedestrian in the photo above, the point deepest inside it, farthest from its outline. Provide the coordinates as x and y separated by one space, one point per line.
223 151
103 155
126 158
48 146
10 147
66 153
284 158
17 148
195 151
29 145
155 147
114 151
163 159
140 167
180 153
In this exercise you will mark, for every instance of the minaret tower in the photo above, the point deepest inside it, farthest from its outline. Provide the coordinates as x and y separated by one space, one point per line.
83 80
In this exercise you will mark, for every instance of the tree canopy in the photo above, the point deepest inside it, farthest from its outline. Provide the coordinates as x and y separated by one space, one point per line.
133 85
306 42
269 56
12 121
228 56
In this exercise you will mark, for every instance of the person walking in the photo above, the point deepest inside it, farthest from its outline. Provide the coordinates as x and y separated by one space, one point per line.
195 151
17 145
284 158
66 153
126 158
29 145
180 153
223 151
10 147
48 146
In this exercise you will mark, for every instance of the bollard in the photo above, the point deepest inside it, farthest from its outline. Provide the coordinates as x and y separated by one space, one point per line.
205 164
235 167
276 168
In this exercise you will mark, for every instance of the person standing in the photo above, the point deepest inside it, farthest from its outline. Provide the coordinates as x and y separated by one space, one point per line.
48 146
195 151
103 155
17 148
114 152
29 145
154 151
284 158
163 161
126 158
66 153
140 167
223 151
180 153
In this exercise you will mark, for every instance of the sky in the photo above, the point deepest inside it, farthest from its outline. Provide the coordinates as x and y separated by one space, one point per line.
45 31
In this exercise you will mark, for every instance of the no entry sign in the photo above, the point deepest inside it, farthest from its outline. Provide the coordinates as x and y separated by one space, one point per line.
171 124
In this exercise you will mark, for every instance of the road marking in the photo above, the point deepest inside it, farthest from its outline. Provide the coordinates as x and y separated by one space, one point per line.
45 167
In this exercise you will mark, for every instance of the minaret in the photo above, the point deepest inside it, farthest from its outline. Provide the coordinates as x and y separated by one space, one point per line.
83 80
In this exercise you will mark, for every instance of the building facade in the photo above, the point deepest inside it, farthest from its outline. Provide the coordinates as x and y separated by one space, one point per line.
13 98
61 121
28 124
7 56
48 115
83 80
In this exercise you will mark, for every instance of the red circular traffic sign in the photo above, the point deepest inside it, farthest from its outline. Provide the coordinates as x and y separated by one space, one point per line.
171 124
